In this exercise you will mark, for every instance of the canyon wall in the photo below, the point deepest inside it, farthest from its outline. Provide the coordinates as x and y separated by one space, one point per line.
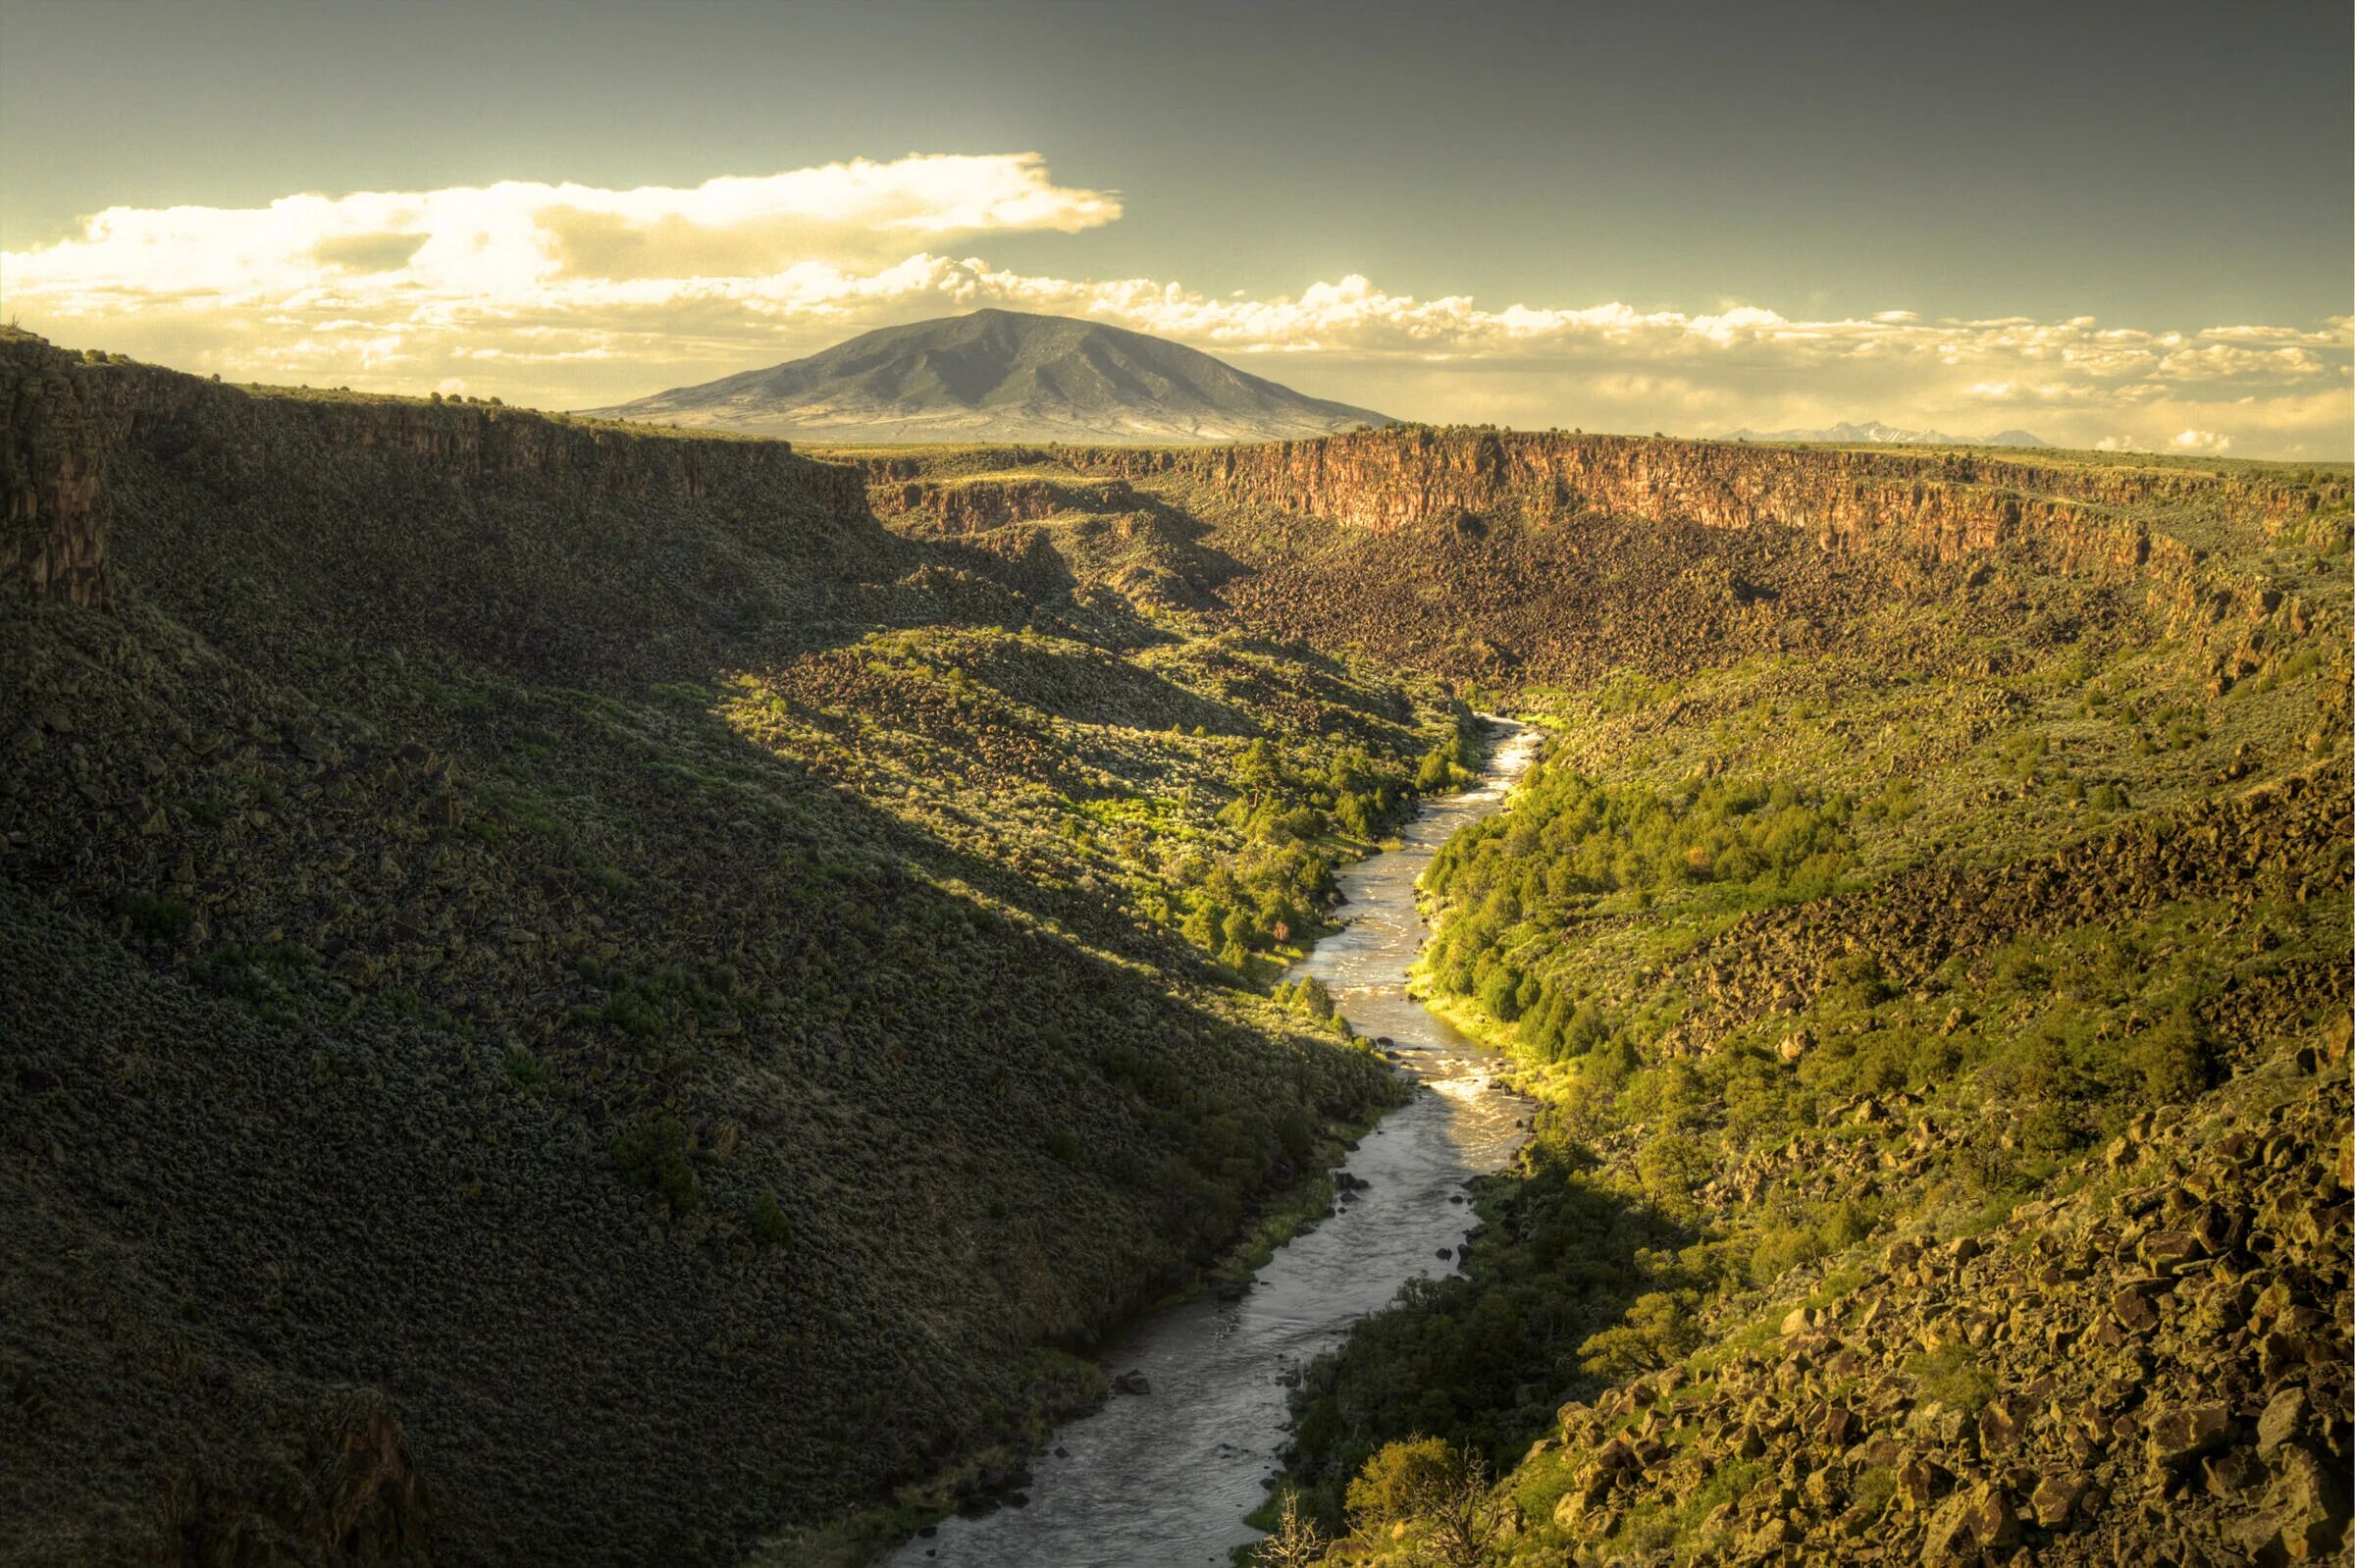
1951 503
975 506
52 440
70 418
2116 521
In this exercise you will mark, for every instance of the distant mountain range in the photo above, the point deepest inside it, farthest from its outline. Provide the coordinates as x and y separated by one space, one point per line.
1874 432
1002 375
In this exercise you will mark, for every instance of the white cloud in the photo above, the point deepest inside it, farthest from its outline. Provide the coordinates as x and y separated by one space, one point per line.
507 241
571 296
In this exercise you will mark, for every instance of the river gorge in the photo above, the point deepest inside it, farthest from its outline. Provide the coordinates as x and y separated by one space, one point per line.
1166 1477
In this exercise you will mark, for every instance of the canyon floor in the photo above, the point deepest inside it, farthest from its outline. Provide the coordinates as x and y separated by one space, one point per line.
579 994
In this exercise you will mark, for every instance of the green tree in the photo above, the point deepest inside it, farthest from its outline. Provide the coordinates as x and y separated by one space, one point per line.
1439 1492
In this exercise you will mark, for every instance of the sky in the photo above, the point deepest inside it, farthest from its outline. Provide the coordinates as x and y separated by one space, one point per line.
2112 225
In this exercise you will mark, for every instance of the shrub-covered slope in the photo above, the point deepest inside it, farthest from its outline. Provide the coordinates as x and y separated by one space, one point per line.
1940 1011
570 996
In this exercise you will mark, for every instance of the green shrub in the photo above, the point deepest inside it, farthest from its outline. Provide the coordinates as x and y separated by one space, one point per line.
526 1070
1659 1330
653 1155
1402 1482
2174 1061
1780 1248
768 1223
1953 1376
157 918
635 1014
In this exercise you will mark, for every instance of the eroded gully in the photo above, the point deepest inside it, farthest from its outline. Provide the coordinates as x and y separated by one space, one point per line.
1167 1476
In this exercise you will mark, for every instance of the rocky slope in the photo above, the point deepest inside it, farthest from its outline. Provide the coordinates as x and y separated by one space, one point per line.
1862 947
997 375
2152 1365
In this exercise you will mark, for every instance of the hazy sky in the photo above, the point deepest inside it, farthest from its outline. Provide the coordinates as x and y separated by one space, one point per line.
2105 223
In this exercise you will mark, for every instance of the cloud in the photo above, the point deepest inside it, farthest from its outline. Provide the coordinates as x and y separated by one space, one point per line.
504 241
572 295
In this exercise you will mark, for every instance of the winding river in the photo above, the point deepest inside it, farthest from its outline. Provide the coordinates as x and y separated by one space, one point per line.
1166 1477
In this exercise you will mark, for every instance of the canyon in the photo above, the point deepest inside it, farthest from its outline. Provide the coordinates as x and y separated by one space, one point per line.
579 991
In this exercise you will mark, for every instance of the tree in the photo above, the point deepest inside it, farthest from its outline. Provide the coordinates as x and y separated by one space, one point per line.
1296 1543
1439 1491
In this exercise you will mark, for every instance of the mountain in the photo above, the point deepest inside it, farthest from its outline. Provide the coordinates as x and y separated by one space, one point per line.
1874 432
1002 375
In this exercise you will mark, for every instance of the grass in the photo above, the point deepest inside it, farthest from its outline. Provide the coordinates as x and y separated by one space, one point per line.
1953 1376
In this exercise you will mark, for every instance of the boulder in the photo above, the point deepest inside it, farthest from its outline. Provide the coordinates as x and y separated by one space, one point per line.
2175 1434
2307 1503
1999 1430
1969 1525
2285 1419
2169 1251
2056 1498
1916 1482
2133 1305
1769 1540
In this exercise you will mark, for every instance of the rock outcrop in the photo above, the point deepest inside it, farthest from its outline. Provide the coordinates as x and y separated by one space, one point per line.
974 505
52 438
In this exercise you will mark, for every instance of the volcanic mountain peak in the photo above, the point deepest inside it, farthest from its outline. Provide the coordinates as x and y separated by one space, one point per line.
1002 375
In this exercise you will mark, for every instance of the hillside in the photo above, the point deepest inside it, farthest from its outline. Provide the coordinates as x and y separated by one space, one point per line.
573 997
1001 376
1927 937
602 993
1927 940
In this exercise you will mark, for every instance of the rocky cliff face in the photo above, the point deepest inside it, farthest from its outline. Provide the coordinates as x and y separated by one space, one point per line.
1949 504
2174 538
68 419
53 547
979 504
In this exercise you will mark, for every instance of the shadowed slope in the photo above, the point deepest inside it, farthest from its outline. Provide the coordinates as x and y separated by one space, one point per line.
506 1049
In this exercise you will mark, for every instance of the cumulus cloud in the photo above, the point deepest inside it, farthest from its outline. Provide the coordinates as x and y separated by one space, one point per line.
571 296
509 240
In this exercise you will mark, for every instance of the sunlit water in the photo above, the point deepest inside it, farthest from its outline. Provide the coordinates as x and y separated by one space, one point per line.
1167 1476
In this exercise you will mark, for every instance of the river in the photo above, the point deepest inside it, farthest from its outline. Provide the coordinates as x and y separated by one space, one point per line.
1166 1477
